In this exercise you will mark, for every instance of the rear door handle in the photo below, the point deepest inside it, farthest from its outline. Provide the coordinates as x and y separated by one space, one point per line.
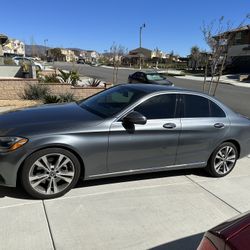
169 125
219 125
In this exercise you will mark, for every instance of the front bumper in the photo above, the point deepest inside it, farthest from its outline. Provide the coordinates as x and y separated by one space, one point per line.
9 165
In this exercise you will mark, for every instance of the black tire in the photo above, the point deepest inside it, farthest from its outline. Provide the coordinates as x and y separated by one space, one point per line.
29 166
214 168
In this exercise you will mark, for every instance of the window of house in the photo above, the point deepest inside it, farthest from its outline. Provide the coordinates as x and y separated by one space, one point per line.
238 36
158 107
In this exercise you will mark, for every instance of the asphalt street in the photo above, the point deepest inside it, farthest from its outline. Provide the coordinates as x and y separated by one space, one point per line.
237 98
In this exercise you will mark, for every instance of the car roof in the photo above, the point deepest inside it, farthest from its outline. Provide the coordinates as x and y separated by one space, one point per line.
147 72
149 88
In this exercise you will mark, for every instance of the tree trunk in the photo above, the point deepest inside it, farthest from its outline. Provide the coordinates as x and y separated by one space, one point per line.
205 76
116 73
221 70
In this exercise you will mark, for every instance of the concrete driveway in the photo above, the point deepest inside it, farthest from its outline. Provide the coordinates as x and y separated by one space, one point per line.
169 210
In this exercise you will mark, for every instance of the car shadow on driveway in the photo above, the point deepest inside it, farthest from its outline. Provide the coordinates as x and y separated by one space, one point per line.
188 243
19 193
146 176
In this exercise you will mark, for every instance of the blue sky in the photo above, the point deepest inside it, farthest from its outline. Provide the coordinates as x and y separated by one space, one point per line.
96 24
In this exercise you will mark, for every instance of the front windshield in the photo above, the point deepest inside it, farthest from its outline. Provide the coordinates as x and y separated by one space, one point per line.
112 101
155 77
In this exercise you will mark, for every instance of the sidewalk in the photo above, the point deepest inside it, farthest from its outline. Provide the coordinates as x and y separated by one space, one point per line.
169 210
228 79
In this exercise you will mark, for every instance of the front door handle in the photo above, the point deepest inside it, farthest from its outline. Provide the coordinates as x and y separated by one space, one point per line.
169 125
219 125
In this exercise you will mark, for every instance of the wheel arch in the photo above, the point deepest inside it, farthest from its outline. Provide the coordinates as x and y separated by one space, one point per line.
236 144
76 154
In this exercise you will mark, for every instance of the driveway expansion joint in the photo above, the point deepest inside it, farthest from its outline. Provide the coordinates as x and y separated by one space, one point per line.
49 227
217 197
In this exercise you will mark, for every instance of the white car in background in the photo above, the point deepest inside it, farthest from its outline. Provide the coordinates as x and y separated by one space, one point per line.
29 60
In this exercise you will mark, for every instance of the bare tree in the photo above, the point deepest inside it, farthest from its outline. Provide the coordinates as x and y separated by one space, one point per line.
117 52
218 37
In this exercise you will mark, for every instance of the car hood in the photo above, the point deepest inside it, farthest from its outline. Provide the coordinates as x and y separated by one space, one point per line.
46 118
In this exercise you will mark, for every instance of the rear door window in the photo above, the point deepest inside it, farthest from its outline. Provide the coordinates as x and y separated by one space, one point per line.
197 106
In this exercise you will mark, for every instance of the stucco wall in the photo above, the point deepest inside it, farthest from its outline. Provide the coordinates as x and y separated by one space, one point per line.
12 89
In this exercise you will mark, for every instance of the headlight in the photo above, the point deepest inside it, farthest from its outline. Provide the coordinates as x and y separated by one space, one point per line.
8 144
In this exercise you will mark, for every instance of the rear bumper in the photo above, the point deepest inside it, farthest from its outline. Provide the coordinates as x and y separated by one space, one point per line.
245 148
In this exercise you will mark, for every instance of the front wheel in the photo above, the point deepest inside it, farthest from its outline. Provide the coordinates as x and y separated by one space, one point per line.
223 160
50 173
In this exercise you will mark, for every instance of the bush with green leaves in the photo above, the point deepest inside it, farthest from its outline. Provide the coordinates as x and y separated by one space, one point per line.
71 77
51 99
35 92
94 82
51 78
67 97
9 61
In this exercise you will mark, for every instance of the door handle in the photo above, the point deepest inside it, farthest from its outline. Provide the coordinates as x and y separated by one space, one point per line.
219 125
169 125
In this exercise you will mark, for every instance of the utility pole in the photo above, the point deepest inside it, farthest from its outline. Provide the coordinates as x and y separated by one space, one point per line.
140 33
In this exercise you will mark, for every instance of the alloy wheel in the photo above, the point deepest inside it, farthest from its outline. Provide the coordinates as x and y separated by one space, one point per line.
225 160
51 173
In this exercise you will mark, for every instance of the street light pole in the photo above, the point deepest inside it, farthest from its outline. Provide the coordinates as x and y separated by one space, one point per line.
140 33
143 26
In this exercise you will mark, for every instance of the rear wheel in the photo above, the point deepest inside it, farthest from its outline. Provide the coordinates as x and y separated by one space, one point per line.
50 173
223 160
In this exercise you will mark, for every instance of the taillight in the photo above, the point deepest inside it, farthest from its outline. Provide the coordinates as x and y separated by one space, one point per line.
206 244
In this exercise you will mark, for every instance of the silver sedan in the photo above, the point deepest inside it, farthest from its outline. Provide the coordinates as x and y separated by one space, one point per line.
127 129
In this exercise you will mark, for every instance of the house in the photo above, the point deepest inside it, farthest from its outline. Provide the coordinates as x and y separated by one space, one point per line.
138 56
69 55
14 47
91 56
238 49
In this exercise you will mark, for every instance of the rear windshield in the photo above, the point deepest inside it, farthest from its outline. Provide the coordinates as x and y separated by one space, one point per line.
155 77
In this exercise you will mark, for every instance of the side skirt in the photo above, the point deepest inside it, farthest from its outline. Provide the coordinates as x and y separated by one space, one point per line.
148 170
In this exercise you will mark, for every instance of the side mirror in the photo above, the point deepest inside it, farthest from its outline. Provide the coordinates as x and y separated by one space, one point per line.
135 117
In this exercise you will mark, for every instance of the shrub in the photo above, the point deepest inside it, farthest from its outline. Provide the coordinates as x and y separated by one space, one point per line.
74 77
94 82
9 61
71 77
68 97
35 92
51 99
51 78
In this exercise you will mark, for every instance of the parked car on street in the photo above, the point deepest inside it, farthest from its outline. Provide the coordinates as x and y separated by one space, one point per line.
230 235
18 60
126 129
80 61
148 77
